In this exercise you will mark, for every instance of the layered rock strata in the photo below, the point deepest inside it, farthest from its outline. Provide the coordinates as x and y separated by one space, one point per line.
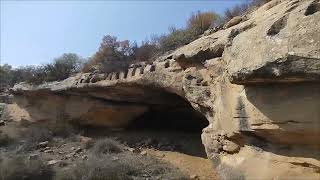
257 82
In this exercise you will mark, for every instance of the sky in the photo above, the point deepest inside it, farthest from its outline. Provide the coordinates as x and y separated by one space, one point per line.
35 32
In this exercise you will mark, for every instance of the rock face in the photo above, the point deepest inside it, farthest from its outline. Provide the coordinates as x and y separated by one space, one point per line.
257 82
283 46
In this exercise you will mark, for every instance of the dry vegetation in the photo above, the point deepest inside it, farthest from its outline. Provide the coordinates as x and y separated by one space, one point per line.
114 54
17 167
61 68
28 157
108 159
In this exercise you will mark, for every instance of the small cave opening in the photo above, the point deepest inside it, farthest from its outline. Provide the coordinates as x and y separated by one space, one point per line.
178 119
172 128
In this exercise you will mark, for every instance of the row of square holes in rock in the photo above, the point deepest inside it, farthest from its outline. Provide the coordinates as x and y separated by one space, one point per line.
133 72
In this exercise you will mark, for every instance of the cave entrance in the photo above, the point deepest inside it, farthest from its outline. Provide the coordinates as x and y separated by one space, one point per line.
170 127
178 119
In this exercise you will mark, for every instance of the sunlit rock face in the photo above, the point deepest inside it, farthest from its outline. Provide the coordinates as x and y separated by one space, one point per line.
256 82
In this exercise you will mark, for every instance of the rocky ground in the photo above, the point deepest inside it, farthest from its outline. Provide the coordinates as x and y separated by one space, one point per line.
67 152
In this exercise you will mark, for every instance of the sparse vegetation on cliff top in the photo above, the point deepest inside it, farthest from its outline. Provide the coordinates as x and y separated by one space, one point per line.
114 54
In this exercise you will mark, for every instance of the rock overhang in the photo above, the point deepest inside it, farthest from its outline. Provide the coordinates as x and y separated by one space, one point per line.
261 96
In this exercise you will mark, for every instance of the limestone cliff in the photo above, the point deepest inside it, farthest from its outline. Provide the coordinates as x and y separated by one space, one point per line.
256 81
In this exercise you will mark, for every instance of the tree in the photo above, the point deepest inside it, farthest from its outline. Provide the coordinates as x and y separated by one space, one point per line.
243 8
146 51
113 55
5 78
63 67
10 76
202 21
238 10
60 69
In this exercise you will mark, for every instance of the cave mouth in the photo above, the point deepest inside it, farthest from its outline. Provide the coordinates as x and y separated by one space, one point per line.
180 118
178 128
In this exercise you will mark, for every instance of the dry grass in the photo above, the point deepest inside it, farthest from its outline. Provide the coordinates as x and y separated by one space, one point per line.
120 166
39 133
109 160
34 135
19 167
107 146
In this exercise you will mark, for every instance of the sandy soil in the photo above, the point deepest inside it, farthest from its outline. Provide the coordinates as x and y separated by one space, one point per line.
194 166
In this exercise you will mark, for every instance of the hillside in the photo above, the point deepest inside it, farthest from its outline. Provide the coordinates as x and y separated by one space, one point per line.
251 89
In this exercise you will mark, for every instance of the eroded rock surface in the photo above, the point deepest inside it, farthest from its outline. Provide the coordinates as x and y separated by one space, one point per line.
257 82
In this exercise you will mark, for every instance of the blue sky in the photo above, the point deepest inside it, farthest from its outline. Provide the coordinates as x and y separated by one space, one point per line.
34 32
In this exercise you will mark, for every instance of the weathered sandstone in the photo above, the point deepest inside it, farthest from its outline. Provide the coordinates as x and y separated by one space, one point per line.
256 82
